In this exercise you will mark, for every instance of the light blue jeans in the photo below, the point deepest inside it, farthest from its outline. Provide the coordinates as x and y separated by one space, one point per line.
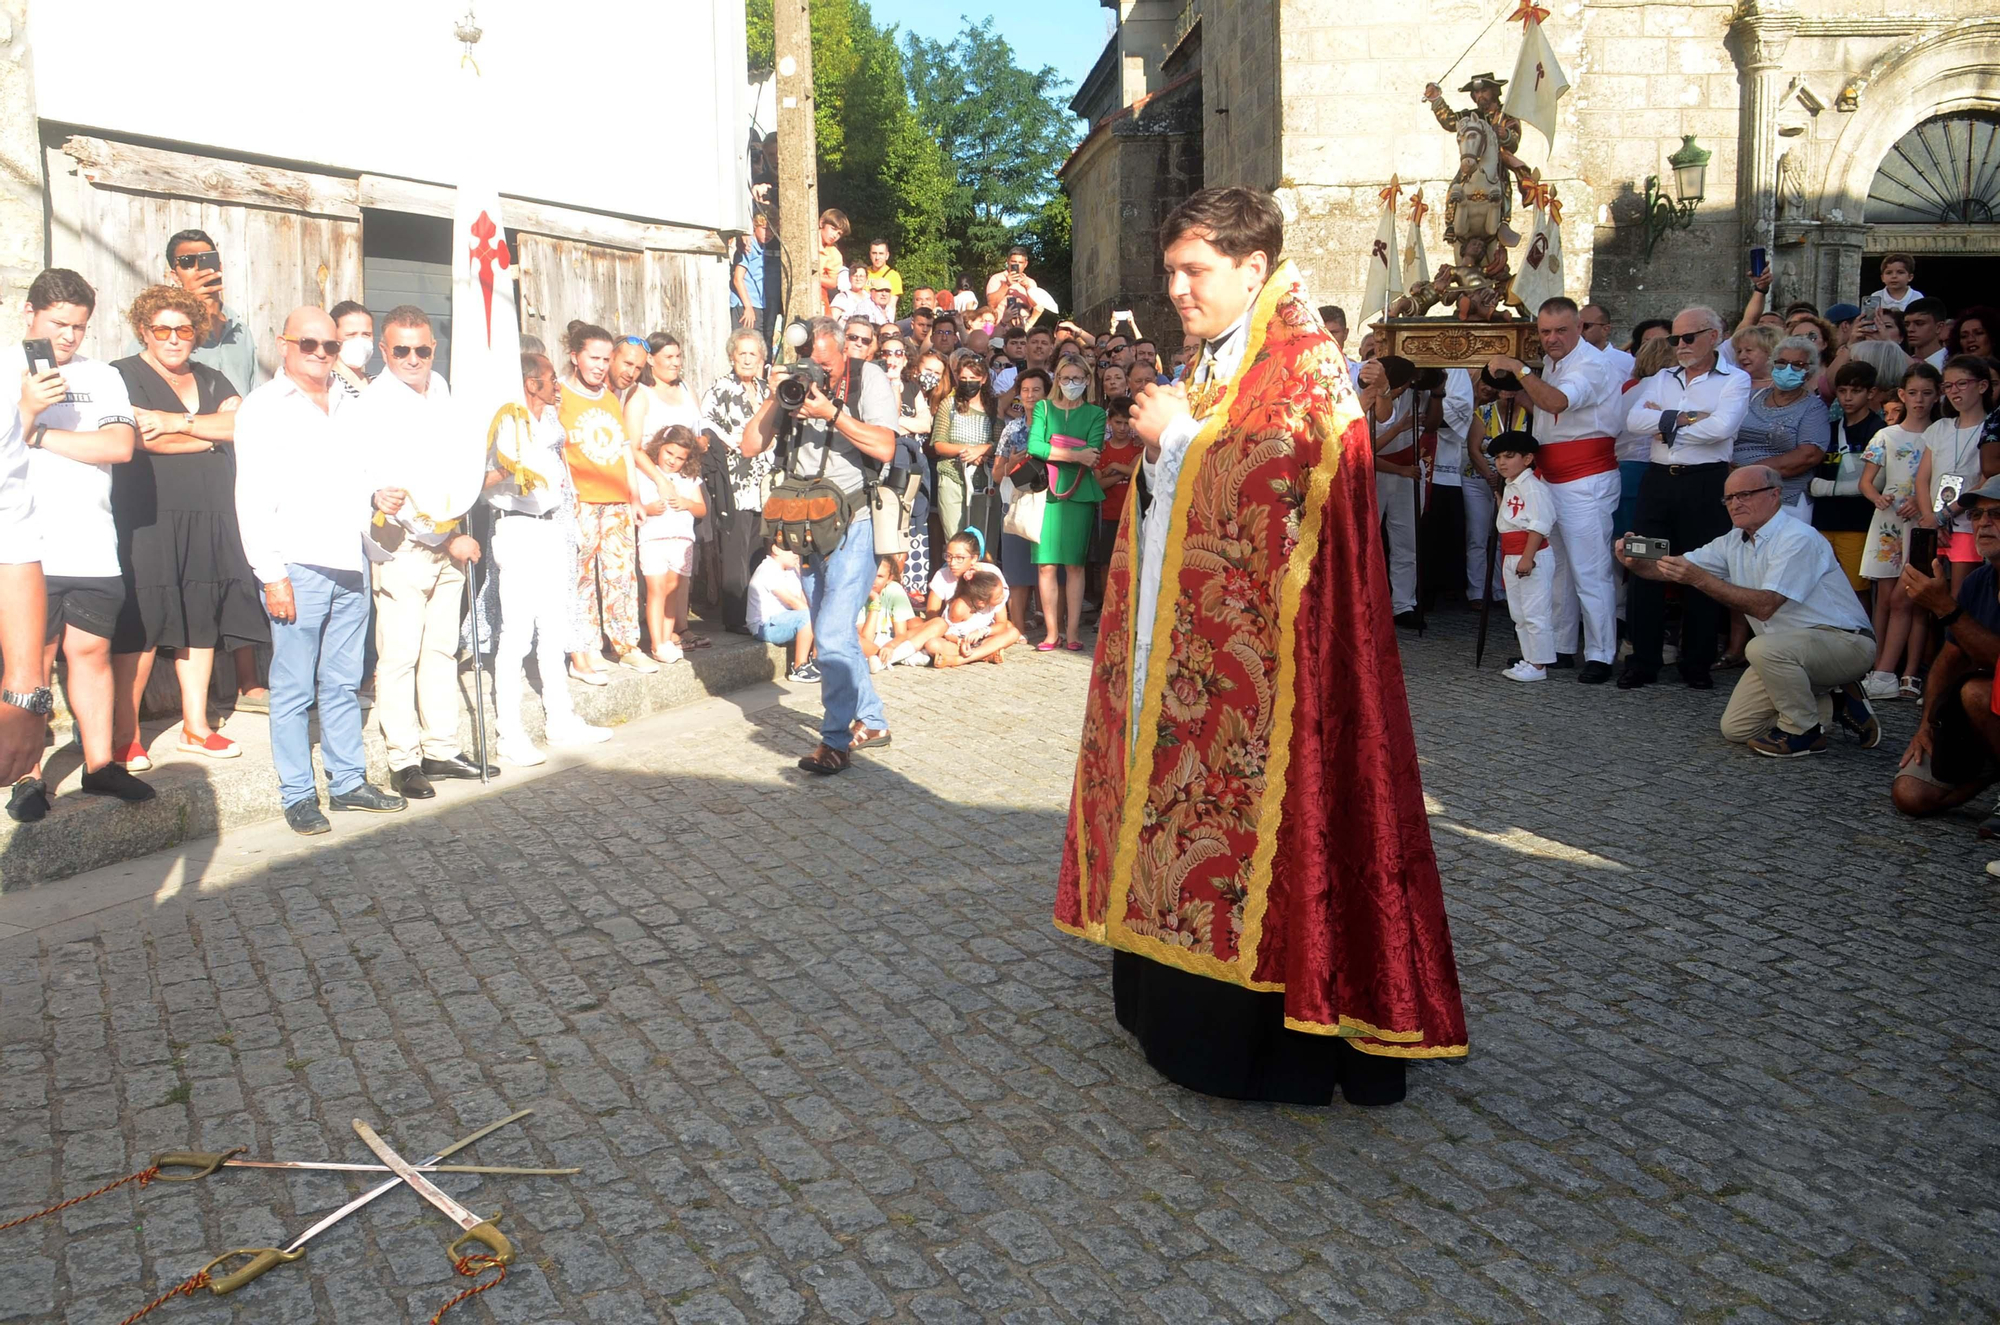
837 587
321 651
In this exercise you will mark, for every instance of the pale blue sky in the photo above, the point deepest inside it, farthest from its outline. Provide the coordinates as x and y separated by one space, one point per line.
1068 34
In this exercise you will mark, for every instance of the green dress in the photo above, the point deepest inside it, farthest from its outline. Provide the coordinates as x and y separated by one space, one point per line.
1070 516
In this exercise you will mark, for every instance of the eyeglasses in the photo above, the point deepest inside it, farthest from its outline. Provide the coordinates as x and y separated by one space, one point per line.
1963 384
165 334
1792 363
1689 337
423 352
189 261
1731 498
855 338
330 347
895 354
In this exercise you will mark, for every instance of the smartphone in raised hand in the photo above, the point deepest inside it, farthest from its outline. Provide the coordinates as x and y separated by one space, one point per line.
41 355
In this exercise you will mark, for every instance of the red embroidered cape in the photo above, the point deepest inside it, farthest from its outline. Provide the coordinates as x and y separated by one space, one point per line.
1268 829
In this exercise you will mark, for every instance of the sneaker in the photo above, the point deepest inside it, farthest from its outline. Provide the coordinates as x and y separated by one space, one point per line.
577 732
808 675
367 799
520 750
1911 687
133 758
305 819
1778 743
112 780
668 655
1852 712
1880 685
1523 670
922 659
876 664
593 677
29 801
638 662
903 653
1993 868
254 701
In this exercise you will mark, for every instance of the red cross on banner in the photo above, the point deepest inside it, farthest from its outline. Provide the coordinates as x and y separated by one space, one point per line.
486 255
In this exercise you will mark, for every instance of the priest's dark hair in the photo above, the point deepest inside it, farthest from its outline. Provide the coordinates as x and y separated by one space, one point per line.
1236 221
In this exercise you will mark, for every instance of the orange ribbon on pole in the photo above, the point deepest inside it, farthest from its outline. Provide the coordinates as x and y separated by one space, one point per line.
1529 12
1394 192
1418 210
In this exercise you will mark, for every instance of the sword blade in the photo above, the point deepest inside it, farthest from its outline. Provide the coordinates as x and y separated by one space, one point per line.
423 1186
383 1188
330 1165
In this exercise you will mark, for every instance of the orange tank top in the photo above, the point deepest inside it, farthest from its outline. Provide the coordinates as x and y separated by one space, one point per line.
595 445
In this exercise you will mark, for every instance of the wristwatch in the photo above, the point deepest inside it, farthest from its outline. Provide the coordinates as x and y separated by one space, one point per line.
35 437
188 415
1949 617
40 700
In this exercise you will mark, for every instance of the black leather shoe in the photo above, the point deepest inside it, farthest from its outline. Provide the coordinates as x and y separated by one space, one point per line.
28 802
412 783
373 800
458 766
1564 660
1409 620
1594 674
1632 678
305 818
1699 681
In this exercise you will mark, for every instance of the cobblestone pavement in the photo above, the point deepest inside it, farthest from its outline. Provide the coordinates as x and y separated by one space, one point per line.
822 1057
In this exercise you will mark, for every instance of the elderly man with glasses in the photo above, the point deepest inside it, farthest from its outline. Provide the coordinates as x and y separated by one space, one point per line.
1812 641
1691 412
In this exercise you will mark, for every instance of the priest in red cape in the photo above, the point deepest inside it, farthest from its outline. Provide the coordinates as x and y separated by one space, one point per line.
1247 829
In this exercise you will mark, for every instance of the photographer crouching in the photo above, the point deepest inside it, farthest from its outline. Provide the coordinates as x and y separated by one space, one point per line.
835 432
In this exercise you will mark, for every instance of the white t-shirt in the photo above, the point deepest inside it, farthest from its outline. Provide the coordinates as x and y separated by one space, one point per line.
73 499
764 603
670 523
944 584
1883 299
1954 450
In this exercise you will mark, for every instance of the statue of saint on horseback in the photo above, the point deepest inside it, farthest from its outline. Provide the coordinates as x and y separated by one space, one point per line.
1479 201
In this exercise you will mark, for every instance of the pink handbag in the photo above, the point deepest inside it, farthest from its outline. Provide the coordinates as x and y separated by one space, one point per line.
1065 450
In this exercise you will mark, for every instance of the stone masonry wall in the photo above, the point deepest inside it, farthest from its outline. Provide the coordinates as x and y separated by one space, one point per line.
22 243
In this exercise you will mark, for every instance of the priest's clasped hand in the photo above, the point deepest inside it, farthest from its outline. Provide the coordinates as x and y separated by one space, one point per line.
1154 408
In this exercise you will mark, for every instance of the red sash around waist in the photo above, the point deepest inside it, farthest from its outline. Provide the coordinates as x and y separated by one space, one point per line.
1565 462
1514 542
1406 456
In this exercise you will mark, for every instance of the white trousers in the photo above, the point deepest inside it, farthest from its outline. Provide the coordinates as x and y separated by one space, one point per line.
1530 600
1479 511
1586 584
535 566
1396 498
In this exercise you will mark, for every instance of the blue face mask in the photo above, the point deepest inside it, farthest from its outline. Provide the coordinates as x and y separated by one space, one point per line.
1788 378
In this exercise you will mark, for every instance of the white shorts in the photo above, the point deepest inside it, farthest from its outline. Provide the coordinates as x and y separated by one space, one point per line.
666 556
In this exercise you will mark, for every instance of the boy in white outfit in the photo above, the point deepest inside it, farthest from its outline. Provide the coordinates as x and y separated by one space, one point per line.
1527 513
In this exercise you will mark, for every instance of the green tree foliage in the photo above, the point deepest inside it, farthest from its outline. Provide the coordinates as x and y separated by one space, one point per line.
948 151
1005 129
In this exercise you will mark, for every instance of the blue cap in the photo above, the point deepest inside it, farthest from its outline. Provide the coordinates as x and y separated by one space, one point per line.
1840 313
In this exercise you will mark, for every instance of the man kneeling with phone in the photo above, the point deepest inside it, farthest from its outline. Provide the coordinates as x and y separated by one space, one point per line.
1813 644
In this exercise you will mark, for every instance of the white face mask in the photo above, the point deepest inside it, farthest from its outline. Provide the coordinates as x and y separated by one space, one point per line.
355 350
1073 390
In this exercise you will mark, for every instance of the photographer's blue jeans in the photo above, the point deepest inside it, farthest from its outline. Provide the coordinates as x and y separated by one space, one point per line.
837 587
319 654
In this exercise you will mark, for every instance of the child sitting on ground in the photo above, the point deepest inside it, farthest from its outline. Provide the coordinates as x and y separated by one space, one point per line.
778 612
962 556
970 629
888 619
671 497
1527 513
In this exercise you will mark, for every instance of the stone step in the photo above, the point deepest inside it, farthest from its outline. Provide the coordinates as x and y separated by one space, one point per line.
198 797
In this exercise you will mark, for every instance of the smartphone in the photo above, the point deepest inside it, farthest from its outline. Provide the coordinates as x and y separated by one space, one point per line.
41 354
1923 548
209 261
1757 260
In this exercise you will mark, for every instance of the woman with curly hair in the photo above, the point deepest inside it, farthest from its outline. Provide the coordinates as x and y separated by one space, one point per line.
188 586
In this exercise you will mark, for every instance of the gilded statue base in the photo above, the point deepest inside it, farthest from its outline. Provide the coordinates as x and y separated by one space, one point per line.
1446 342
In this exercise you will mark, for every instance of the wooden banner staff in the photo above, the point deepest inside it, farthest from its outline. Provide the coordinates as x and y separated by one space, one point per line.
1439 80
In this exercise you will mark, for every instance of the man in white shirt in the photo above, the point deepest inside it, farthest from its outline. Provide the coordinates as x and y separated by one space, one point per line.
76 422
1595 322
529 488
426 470
1812 642
1576 398
301 505
1690 413
1389 396
1445 509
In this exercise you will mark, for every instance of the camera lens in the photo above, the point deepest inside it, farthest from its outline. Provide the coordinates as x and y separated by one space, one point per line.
791 392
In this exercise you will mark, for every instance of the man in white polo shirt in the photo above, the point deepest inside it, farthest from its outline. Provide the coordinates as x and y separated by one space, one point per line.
1691 413
301 504
76 421
1575 394
1812 642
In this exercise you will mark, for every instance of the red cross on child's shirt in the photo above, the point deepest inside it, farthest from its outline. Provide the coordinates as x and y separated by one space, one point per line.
1514 504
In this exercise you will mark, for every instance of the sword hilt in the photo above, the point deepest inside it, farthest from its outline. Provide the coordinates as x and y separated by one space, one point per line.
263 1258
494 1240
203 1162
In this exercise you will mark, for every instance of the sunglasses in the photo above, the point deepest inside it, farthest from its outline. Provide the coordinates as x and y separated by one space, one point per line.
860 340
1688 337
330 347
422 352
632 340
188 261
164 334
895 354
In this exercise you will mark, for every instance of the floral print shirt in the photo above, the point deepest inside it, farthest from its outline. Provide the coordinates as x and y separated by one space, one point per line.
726 409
